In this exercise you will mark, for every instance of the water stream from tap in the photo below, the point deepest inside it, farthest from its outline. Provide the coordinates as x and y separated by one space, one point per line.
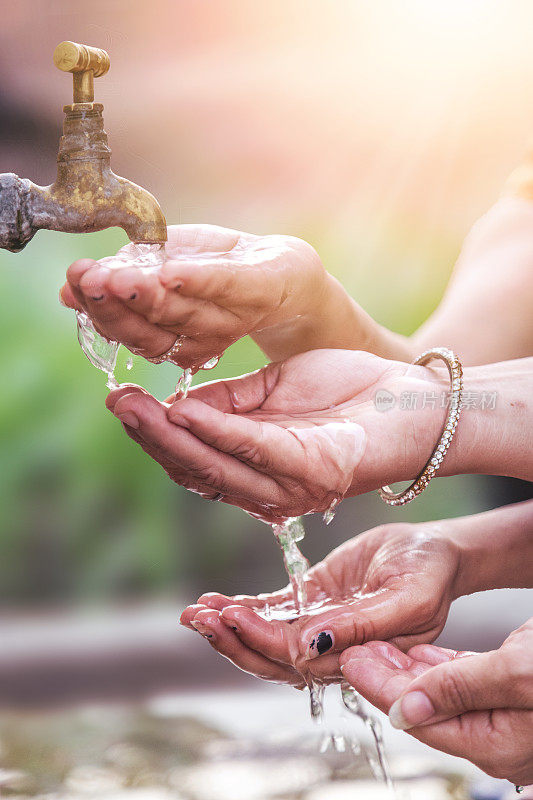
288 534
102 352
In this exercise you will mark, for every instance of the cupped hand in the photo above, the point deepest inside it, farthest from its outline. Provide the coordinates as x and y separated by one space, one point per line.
291 438
215 286
394 582
477 706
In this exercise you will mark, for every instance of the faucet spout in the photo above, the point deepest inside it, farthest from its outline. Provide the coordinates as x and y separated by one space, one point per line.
86 195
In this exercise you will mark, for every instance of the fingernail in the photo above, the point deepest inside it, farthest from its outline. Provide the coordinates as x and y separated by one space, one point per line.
320 644
202 629
129 419
99 297
411 710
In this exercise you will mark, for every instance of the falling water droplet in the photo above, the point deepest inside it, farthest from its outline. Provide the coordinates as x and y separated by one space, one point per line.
316 700
288 533
355 705
101 352
330 512
129 363
184 384
211 364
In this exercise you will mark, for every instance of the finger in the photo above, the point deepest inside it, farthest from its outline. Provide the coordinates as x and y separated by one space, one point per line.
189 613
123 389
480 682
205 466
178 474
268 638
221 280
78 269
194 239
118 322
238 395
373 674
264 446
224 640
433 655
376 617
216 600
68 298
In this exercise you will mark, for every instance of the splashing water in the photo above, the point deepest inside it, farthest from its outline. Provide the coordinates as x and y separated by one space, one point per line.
212 363
287 534
316 700
101 352
355 705
329 514
184 384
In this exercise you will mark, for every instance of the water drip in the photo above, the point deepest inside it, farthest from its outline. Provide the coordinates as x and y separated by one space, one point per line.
101 352
184 384
355 705
316 701
330 512
288 533
212 363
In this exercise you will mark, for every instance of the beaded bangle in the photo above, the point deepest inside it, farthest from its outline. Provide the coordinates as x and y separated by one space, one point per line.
432 466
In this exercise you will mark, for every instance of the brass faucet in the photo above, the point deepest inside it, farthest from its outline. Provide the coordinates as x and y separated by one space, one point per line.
87 195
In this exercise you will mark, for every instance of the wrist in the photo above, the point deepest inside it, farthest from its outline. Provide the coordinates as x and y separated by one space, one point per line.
493 436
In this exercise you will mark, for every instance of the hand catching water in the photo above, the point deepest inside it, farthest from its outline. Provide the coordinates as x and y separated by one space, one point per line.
394 582
292 437
477 706
212 285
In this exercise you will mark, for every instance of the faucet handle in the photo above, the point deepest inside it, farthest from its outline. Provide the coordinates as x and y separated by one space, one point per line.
85 63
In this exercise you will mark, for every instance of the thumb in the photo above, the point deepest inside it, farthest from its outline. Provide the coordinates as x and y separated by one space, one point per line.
472 682
238 395
371 618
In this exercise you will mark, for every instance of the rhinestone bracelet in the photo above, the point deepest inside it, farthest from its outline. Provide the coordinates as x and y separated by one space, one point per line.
437 456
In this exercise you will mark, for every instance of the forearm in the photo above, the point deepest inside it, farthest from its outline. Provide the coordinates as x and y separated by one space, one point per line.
330 319
496 549
485 315
494 434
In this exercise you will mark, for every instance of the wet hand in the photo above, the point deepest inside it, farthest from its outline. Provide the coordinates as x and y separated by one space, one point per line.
215 286
292 437
476 706
394 582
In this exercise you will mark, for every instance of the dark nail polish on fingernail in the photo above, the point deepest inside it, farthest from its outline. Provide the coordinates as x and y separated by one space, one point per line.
101 297
133 296
234 628
321 644
202 630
